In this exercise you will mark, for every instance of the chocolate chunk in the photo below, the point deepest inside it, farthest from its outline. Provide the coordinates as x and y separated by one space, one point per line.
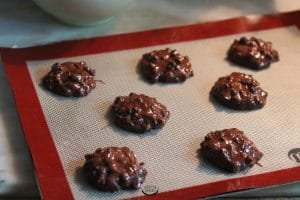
114 168
70 79
252 53
139 113
230 149
165 66
239 91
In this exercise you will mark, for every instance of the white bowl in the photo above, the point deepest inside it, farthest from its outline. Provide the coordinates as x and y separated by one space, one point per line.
82 12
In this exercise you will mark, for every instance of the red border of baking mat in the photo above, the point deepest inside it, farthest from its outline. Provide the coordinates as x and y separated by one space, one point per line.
50 173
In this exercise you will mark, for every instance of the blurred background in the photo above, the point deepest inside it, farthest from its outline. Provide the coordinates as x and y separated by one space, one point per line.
25 24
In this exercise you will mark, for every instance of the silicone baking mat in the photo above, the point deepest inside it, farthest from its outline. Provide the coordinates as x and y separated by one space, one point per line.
60 131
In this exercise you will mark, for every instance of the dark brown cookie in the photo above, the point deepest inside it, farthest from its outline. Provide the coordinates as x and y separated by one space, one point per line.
70 79
165 66
230 149
252 53
113 168
139 113
239 91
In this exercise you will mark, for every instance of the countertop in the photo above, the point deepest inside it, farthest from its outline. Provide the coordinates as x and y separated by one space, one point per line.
23 24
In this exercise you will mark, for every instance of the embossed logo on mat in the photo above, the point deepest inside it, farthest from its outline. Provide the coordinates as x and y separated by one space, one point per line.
150 190
294 154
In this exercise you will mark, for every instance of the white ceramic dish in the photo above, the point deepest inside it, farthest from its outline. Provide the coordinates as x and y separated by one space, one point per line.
82 12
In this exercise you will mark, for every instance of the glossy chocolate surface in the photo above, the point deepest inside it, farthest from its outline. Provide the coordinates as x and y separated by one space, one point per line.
139 113
239 91
230 149
165 65
112 169
252 53
70 79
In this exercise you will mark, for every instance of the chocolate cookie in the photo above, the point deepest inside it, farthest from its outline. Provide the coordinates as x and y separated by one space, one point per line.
239 91
139 113
165 66
230 149
113 168
252 53
70 79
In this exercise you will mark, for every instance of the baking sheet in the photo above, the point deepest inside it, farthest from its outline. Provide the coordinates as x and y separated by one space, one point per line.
79 126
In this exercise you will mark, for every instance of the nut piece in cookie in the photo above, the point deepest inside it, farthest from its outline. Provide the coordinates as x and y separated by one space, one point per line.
230 150
239 91
139 113
112 169
252 53
165 65
70 79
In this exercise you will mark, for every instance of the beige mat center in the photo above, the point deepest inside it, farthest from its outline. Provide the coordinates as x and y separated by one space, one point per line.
80 125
